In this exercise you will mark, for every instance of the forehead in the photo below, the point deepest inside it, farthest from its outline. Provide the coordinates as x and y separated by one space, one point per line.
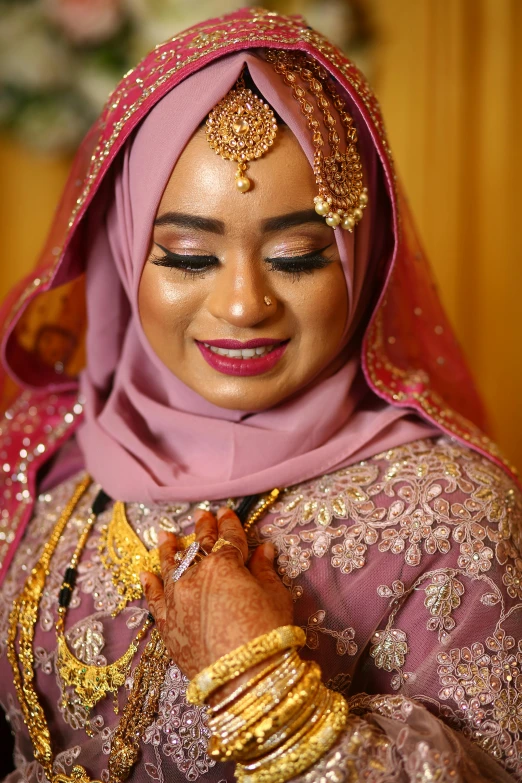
282 180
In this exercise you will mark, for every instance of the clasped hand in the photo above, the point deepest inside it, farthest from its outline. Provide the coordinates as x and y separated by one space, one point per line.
222 602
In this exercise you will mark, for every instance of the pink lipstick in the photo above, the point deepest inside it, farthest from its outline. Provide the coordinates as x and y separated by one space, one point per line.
252 357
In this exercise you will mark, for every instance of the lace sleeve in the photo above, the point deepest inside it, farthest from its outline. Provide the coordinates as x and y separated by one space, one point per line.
391 739
424 578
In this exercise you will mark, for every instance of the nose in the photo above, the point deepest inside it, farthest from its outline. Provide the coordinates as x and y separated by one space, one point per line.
240 293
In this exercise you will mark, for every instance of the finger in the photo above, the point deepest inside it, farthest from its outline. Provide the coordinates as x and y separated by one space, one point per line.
261 566
230 527
167 550
206 529
153 589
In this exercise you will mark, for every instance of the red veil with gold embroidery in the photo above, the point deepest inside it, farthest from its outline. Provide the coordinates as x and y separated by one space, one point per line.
410 356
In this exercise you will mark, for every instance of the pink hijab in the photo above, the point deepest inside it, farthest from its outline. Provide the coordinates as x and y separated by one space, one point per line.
146 435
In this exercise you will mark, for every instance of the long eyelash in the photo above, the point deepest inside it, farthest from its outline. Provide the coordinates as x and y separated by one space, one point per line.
300 265
192 266
297 268
166 261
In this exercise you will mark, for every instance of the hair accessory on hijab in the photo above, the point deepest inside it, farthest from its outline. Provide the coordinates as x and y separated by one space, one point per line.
241 127
342 197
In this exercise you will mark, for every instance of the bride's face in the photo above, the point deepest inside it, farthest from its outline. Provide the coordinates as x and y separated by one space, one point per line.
243 296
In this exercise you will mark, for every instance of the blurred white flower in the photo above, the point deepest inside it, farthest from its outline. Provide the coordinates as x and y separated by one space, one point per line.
332 18
158 20
30 56
95 84
85 21
51 128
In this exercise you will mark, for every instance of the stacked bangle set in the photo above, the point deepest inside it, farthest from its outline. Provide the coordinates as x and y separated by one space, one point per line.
281 721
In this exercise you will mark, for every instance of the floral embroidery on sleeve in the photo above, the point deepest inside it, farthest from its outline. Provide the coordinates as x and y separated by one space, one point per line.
345 644
443 596
389 649
484 682
421 500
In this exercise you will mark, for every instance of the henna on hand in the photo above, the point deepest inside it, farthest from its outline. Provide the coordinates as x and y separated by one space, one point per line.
218 604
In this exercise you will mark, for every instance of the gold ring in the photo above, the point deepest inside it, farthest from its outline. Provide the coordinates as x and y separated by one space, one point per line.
221 542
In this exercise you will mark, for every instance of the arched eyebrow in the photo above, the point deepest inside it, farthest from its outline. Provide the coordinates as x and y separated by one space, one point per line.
196 222
200 223
291 219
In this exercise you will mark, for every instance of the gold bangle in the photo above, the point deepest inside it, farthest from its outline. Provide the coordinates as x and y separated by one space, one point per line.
238 661
316 712
242 689
286 724
236 729
295 757
229 727
271 683
256 741
280 695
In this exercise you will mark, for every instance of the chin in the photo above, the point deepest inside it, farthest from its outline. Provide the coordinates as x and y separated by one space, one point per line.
241 400
246 403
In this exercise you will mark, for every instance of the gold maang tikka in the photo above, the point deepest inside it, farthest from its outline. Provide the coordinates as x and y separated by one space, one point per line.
241 127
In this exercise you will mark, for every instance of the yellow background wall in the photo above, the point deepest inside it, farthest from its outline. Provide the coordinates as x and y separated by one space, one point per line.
449 76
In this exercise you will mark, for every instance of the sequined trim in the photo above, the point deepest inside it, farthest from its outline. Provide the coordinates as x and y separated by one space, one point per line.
31 429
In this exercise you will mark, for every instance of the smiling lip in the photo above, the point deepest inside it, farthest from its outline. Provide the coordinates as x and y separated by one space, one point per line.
231 365
237 344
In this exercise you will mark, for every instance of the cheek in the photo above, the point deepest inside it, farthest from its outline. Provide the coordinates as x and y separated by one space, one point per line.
166 309
323 311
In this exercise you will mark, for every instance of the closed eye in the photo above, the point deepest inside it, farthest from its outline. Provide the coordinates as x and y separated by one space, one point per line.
302 264
196 265
191 264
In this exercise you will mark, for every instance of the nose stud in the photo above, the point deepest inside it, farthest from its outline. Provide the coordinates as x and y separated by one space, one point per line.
267 301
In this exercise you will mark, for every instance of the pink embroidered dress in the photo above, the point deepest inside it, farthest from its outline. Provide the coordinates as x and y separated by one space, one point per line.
403 555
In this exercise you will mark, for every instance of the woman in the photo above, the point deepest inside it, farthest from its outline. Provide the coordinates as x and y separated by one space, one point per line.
273 395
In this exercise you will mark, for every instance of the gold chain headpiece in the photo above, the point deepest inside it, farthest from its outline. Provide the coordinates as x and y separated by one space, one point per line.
339 176
242 128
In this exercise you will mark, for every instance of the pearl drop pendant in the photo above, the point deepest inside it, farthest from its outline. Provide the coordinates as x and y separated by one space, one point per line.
243 184
322 208
333 220
348 223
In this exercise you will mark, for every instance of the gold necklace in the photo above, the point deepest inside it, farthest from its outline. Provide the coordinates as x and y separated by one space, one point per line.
91 683
125 555
143 700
